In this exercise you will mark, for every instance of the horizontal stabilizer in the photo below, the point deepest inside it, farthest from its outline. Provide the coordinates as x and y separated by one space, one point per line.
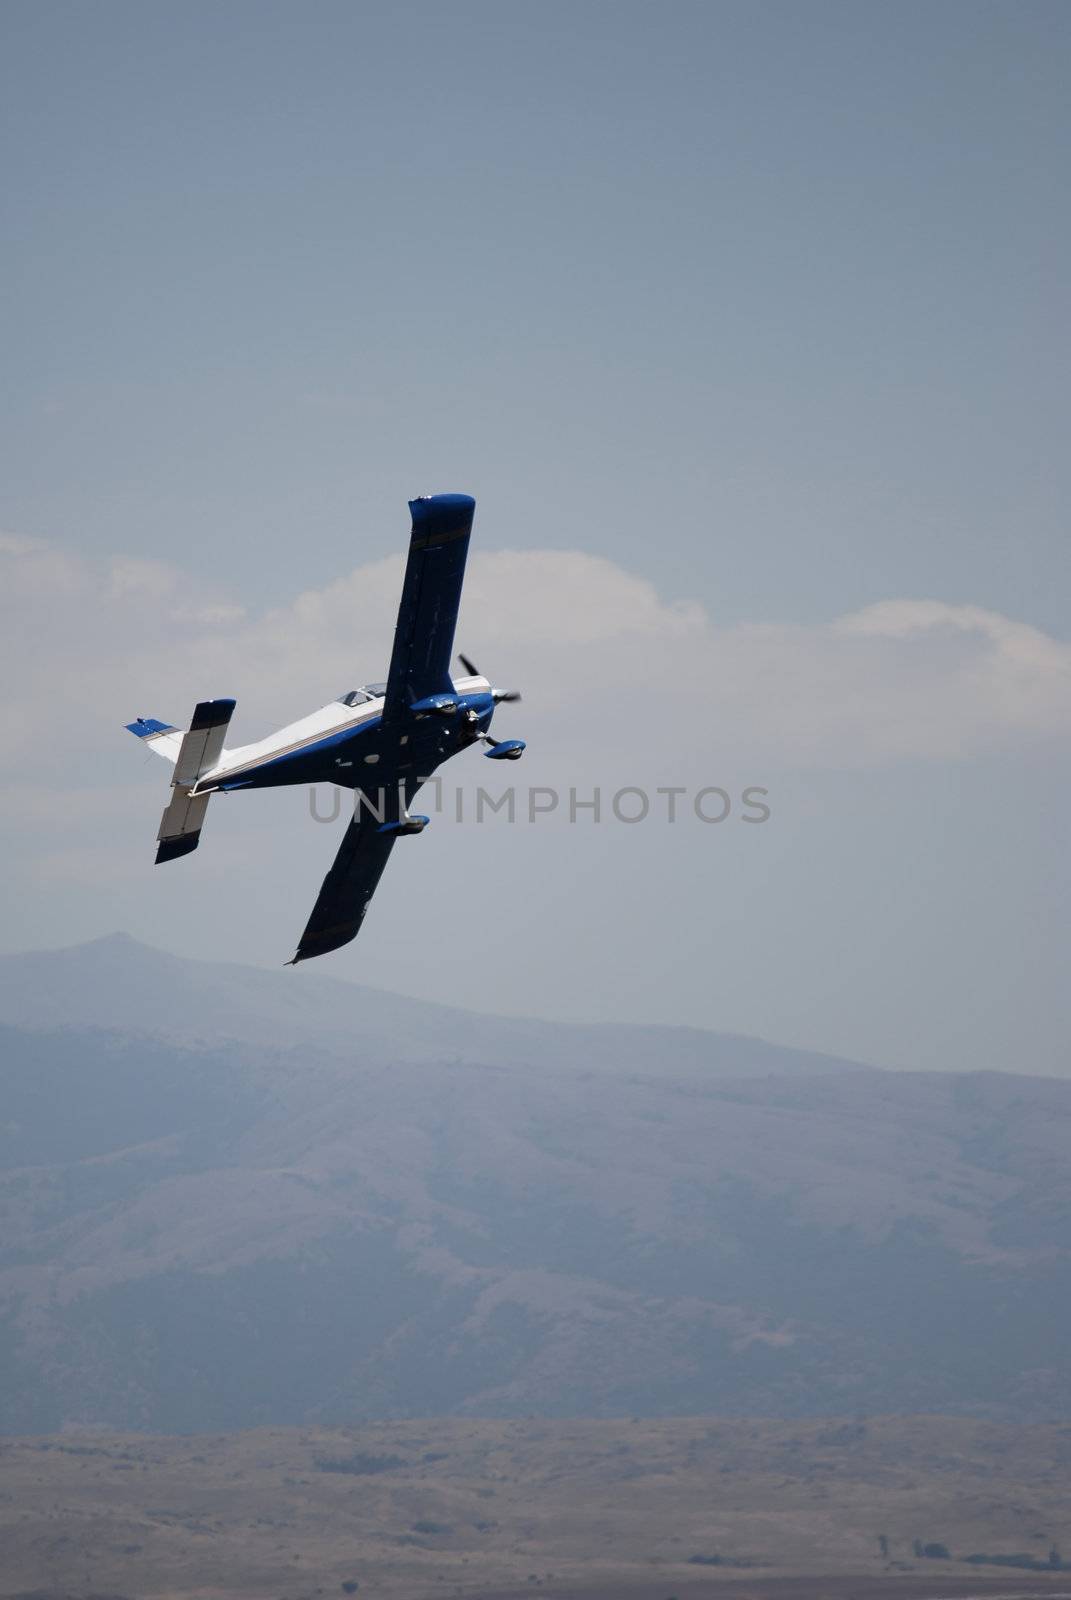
160 737
180 825
203 744
171 849
199 751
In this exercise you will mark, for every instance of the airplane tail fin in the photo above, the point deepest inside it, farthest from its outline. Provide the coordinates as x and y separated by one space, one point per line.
194 753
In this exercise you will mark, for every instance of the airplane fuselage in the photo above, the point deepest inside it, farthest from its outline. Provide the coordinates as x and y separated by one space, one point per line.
346 744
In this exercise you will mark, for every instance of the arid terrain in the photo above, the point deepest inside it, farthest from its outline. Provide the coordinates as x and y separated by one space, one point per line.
646 1509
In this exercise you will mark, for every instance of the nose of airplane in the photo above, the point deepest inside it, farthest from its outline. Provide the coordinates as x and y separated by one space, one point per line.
477 707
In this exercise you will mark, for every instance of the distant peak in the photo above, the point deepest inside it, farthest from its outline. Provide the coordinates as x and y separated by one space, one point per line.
122 946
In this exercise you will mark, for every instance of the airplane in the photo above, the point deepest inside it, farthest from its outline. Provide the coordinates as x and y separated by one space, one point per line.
382 740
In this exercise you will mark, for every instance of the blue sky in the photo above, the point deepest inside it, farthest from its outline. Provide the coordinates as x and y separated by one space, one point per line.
763 304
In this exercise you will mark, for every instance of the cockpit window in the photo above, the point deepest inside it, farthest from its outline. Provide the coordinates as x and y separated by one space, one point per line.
357 697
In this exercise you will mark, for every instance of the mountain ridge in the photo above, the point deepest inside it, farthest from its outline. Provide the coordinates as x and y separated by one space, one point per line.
333 1223
117 980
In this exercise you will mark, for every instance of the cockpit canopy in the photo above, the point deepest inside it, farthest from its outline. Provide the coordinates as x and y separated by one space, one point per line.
357 697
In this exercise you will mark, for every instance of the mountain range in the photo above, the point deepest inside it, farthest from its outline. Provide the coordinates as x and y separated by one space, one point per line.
233 1197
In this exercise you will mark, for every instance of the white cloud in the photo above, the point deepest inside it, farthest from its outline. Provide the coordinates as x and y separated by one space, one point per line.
567 597
148 580
606 663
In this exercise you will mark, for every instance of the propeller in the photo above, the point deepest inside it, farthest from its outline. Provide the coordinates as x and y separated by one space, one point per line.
508 696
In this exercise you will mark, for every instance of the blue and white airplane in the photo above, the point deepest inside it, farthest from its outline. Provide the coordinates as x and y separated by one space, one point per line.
382 740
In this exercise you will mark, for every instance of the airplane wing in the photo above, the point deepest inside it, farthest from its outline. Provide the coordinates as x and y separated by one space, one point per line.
349 886
431 594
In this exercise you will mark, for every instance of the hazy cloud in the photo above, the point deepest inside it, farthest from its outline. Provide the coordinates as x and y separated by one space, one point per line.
604 660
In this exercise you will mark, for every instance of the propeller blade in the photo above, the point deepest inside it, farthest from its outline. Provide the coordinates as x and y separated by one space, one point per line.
499 695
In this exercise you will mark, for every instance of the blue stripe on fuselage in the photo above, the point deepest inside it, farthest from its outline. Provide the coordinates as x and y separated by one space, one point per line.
431 742
289 768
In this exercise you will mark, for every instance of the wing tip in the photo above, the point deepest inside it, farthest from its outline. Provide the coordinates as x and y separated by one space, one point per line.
322 944
443 502
441 518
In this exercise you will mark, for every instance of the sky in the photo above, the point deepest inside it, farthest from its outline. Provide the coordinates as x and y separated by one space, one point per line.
747 327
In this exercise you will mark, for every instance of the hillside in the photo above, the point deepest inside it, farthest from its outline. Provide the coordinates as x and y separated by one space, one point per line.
198 1237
